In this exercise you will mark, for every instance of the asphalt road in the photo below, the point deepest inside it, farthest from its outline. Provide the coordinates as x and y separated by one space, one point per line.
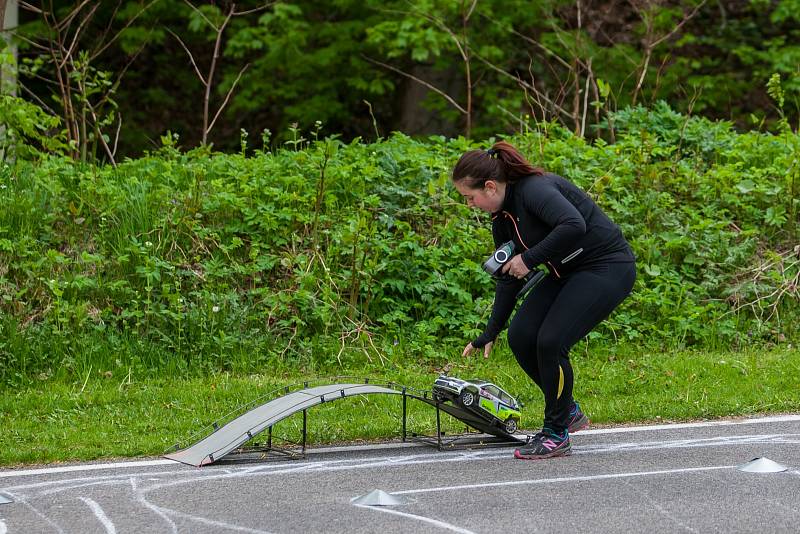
679 478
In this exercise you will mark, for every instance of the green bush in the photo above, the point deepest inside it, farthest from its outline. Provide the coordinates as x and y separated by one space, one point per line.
25 129
324 250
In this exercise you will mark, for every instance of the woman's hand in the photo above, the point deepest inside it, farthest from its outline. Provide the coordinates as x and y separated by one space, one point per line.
516 267
486 349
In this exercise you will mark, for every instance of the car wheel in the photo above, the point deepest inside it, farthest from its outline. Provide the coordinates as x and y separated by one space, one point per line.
467 398
511 425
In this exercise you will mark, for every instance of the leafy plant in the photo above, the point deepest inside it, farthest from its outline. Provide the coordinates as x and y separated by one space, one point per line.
323 252
26 130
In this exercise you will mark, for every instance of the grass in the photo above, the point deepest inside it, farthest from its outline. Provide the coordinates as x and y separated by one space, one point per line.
109 416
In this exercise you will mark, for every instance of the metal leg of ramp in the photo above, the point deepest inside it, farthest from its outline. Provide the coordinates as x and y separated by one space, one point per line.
258 452
485 435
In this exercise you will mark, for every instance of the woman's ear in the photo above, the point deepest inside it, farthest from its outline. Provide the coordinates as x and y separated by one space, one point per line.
492 187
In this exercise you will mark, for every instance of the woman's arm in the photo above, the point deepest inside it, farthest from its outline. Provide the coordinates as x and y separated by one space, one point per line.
505 297
543 199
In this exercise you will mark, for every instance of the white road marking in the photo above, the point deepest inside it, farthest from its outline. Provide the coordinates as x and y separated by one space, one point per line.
97 479
614 430
430 521
44 517
690 443
144 502
645 495
701 424
165 512
206 521
172 478
101 515
88 467
562 479
83 485
193 476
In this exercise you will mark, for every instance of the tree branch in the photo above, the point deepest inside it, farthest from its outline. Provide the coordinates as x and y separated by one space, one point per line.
194 8
67 53
191 57
419 81
211 69
254 10
29 7
111 41
64 24
227 97
523 83
681 23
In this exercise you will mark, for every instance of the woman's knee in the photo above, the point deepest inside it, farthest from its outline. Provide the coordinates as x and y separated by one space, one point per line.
550 344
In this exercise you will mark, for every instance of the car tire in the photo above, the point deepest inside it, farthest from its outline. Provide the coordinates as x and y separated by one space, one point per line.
467 398
510 426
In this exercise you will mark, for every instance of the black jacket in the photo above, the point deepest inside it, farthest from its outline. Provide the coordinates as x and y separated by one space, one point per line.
556 224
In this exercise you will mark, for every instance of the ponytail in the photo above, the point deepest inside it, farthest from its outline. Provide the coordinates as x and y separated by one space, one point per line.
501 163
516 166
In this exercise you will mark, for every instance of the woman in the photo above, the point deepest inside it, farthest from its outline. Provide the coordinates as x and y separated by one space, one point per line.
591 270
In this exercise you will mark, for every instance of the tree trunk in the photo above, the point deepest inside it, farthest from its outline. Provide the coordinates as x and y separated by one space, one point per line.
3 14
9 16
8 73
415 119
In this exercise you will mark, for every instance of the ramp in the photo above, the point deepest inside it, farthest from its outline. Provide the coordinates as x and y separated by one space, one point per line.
234 434
469 417
242 429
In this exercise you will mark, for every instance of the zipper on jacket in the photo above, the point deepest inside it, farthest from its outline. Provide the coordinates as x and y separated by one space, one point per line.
553 269
572 256
516 229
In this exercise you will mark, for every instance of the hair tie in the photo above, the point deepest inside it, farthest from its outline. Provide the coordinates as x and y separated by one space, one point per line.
492 152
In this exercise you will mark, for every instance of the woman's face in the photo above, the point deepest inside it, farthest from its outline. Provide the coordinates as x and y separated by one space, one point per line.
488 198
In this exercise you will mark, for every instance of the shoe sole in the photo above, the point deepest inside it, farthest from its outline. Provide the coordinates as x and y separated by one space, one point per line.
553 454
579 425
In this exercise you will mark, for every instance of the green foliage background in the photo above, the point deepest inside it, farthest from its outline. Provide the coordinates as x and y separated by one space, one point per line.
350 64
326 252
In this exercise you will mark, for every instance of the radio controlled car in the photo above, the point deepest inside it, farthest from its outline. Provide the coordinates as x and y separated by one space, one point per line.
479 396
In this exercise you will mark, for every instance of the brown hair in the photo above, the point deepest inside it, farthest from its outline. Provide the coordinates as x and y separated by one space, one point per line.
501 163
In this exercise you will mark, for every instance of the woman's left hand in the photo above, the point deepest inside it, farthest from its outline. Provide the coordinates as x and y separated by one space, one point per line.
516 267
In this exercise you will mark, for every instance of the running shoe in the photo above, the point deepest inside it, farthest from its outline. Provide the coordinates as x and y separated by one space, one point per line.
545 444
577 419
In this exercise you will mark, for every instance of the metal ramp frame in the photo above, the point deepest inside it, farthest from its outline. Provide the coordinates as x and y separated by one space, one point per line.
223 440
492 435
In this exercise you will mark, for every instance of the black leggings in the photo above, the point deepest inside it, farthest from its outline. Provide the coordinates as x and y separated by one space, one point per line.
555 316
